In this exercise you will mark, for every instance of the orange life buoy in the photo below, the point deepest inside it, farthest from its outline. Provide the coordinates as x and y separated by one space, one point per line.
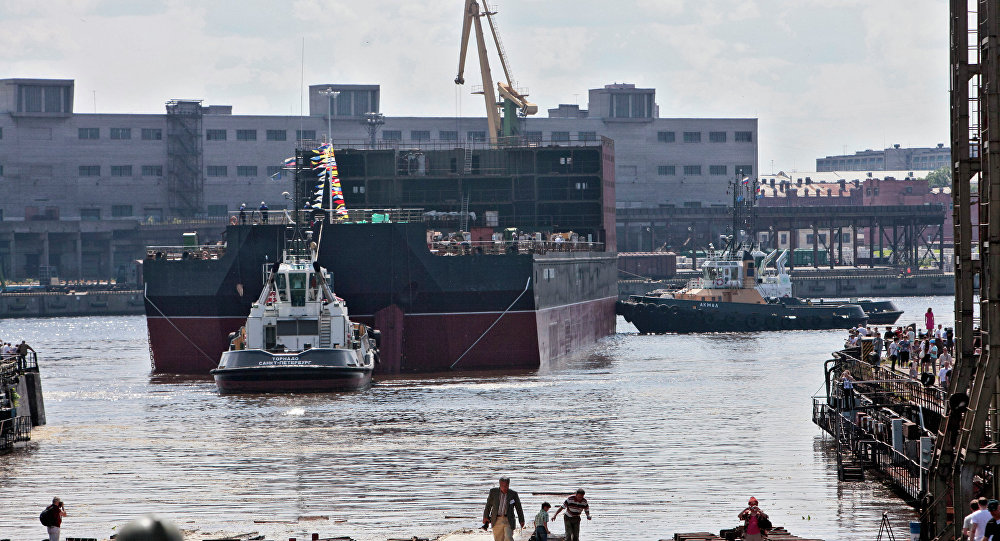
719 281
232 220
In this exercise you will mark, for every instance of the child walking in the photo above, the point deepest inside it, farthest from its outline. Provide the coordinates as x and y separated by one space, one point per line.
542 523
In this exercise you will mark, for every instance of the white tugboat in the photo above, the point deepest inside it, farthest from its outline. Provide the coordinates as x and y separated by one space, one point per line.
298 337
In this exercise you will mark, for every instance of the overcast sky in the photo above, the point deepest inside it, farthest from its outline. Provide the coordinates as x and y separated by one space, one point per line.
823 77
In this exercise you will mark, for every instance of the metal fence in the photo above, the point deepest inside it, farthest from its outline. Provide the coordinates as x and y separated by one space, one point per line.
443 248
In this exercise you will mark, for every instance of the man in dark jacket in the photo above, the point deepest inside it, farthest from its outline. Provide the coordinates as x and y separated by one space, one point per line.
499 511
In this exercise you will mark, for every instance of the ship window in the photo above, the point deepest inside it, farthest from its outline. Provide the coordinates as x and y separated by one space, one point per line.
282 292
270 337
297 285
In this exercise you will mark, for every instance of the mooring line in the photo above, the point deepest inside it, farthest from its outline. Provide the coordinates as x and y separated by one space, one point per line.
151 303
526 285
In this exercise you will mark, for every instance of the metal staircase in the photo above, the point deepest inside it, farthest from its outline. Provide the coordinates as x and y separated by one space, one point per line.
324 331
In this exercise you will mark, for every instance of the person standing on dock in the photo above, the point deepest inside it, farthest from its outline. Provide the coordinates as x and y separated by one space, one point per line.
876 347
52 517
751 517
894 351
904 351
929 321
263 212
22 353
847 382
575 505
967 522
499 512
243 214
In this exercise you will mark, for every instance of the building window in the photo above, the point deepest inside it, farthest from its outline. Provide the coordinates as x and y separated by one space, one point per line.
692 169
716 137
121 133
448 135
420 135
477 136
274 171
665 136
121 211
744 170
743 137
89 133
218 170
1 170
90 214
246 170
587 136
218 210
152 134
560 136
692 137
716 169
32 99
392 135
305 135
90 170
276 135
666 170
533 136
1 132
121 170
152 170
246 135
215 135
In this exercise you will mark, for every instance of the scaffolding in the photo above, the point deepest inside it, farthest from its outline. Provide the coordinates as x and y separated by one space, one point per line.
966 444
185 177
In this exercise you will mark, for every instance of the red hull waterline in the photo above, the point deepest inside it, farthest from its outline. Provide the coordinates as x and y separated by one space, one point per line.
527 339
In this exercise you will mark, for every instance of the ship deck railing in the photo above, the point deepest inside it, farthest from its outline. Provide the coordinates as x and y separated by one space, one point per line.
172 253
346 216
472 143
494 247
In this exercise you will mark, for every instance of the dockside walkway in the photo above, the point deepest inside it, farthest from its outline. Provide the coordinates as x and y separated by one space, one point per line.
887 426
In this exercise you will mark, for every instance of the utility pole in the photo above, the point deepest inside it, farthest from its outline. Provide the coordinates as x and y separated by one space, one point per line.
331 97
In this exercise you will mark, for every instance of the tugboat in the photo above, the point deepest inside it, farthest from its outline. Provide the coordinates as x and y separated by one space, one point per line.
298 337
732 295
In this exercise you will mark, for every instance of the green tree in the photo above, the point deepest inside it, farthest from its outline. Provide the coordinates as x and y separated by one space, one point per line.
940 178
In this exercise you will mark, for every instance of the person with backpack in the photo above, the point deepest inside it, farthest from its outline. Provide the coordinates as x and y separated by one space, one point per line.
52 518
755 521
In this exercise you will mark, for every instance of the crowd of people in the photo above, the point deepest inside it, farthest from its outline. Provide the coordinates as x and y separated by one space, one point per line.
921 354
19 352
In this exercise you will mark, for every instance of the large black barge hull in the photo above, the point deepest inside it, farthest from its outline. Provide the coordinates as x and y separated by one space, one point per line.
656 315
433 311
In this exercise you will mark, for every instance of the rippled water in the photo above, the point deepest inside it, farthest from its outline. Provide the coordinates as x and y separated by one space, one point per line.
666 433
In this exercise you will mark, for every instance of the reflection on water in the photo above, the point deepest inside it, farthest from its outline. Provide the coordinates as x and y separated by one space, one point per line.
666 433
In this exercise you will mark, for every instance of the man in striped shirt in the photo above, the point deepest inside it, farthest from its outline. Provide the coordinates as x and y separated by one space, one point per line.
575 505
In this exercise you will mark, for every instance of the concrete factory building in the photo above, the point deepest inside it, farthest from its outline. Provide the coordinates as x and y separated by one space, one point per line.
84 192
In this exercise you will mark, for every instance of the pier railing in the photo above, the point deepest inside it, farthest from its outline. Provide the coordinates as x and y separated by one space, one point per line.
884 385
443 248
14 430
11 368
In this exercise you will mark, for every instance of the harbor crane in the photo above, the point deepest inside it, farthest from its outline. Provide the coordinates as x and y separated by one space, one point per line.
515 102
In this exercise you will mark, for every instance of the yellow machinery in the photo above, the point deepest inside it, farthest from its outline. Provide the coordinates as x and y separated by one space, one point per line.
514 101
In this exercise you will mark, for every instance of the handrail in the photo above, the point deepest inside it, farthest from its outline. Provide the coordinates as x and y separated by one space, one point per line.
445 248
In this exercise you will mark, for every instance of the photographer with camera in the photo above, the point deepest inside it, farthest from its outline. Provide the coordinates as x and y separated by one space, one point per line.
52 518
755 522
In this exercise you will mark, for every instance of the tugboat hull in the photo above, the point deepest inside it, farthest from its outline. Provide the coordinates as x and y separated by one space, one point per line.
313 371
656 315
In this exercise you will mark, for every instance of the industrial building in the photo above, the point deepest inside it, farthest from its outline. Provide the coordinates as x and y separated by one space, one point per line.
890 159
84 192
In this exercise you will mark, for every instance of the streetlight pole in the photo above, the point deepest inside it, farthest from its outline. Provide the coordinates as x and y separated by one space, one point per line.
331 96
